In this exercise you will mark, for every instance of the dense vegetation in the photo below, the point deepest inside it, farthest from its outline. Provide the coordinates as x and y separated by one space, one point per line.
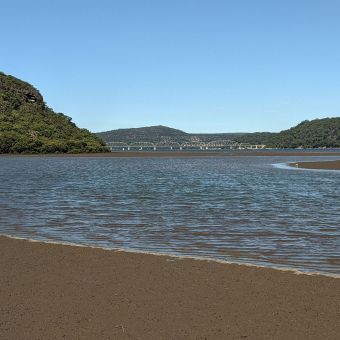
318 133
27 125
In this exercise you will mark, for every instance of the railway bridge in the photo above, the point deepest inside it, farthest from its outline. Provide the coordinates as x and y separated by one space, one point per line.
212 145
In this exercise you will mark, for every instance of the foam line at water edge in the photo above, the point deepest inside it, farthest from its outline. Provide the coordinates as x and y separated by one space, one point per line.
175 257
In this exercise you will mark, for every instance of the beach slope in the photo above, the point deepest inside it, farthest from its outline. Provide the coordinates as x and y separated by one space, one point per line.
50 291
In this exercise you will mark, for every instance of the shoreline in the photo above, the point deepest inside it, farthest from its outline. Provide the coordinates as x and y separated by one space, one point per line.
293 270
61 291
156 154
323 165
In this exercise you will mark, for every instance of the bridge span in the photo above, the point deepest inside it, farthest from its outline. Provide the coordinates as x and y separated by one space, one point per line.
213 145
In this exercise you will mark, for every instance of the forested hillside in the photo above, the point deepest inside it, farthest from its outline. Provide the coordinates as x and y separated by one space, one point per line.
150 134
159 133
27 125
317 133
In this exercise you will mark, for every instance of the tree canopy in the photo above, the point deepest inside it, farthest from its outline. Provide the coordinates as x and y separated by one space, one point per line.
28 125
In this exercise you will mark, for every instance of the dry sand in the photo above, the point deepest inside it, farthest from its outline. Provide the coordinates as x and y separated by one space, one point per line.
325 165
50 291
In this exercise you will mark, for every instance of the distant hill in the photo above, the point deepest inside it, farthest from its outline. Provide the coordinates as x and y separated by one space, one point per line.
27 125
317 133
151 134
159 133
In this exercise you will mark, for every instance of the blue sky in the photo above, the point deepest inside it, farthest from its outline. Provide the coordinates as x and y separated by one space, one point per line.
196 65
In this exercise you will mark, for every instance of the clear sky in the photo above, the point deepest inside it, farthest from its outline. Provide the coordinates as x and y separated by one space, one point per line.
196 65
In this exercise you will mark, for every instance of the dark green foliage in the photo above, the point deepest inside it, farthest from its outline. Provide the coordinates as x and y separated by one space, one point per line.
256 138
318 133
27 125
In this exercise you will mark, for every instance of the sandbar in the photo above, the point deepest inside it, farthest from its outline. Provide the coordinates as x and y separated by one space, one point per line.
323 165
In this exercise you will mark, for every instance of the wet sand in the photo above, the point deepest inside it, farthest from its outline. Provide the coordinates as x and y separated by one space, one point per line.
329 165
187 154
50 291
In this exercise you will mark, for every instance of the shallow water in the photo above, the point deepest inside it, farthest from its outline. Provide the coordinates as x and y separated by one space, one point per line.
239 209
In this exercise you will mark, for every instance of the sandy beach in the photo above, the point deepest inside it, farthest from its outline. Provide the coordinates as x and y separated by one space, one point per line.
327 165
51 291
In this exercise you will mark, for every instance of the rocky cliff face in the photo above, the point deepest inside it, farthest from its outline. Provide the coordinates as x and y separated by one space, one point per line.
23 91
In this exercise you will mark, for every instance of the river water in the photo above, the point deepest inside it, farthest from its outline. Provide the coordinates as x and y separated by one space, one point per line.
239 209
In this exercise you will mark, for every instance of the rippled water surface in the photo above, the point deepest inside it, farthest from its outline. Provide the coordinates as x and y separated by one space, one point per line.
234 208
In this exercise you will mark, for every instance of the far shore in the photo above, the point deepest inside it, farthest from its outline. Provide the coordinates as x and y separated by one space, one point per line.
324 165
54 291
184 153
